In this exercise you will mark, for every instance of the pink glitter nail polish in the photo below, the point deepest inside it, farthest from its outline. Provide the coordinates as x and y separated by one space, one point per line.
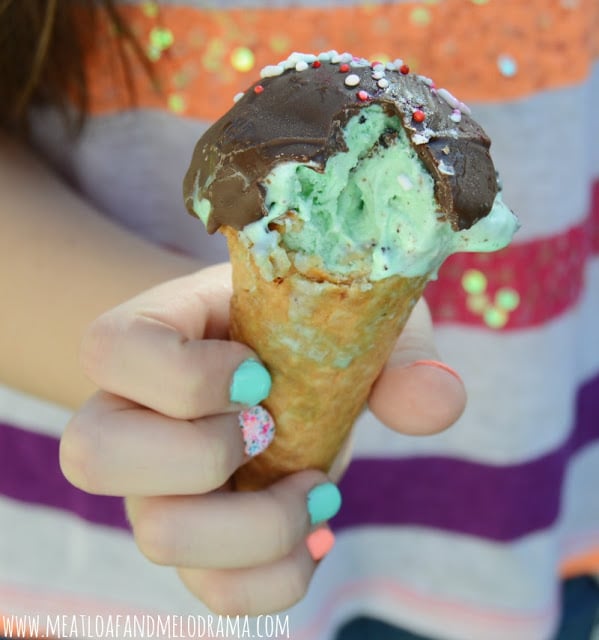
258 429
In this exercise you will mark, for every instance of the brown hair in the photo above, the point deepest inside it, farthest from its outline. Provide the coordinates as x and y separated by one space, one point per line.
42 47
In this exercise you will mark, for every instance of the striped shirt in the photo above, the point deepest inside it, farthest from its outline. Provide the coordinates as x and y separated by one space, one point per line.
463 535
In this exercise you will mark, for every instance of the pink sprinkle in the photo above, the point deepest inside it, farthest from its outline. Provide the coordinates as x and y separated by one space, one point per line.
363 95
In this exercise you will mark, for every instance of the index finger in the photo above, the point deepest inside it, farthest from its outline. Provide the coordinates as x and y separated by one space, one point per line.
166 349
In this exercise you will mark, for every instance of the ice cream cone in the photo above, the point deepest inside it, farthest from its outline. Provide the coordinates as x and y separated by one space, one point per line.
324 343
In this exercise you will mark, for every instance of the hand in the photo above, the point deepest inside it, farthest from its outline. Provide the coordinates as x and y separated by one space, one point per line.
164 432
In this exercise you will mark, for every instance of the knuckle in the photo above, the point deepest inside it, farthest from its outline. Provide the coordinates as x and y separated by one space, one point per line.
80 451
152 533
96 345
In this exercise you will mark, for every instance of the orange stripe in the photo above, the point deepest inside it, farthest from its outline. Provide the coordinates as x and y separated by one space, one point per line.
584 564
496 50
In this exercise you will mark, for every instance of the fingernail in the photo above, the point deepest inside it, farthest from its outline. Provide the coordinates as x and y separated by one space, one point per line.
250 384
323 501
320 542
437 365
258 429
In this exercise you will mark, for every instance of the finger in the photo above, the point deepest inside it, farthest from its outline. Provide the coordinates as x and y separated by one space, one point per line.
115 447
259 590
165 349
233 529
416 393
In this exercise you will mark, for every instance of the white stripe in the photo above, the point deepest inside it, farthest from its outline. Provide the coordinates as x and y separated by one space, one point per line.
521 388
540 147
449 586
55 560
34 414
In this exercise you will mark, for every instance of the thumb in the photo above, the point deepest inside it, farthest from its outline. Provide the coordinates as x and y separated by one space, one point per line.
416 393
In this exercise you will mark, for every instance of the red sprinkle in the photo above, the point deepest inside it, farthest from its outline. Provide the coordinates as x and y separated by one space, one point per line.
316 64
419 116
343 68
374 64
363 95
258 88
404 69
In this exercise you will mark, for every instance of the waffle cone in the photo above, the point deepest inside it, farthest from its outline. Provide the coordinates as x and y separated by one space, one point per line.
324 343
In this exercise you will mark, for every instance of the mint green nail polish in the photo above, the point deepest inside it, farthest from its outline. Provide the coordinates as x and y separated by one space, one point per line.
251 383
324 501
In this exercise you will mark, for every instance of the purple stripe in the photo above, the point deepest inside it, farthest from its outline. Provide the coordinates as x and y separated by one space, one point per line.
501 502
31 473
495 502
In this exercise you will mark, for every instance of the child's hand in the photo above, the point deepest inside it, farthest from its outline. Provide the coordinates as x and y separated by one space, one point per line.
164 432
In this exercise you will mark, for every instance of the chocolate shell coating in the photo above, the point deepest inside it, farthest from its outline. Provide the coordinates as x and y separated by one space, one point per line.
300 115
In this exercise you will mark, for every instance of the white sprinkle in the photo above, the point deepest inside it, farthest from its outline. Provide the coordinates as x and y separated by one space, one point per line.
383 83
464 108
404 182
378 67
377 75
427 81
352 80
237 97
271 70
418 138
302 65
346 57
451 100
446 169
456 116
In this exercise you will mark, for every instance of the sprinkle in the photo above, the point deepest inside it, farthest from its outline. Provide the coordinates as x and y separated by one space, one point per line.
272 70
508 67
302 65
419 116
363 95
451 100
257 428
344 68
446 169
258 88
316 64
237 97
377 75
456 115
352 80
383 83
404 69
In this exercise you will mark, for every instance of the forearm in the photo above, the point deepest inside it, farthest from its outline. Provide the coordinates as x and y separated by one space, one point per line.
62 264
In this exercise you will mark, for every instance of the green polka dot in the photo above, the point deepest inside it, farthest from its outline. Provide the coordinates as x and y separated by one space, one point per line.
161 38
477 303
495 318
242 59
479 1
420 16
474 281
150 9
507 299
176 103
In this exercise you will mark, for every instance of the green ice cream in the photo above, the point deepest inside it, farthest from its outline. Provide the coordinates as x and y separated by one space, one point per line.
372 212
354 170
